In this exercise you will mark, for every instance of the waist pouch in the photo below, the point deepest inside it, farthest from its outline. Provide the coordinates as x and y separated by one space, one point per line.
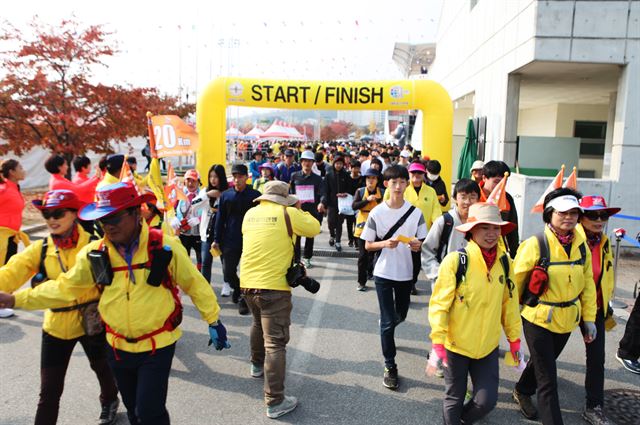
561 304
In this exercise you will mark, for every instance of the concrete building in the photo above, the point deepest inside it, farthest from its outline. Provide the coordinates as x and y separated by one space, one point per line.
558 82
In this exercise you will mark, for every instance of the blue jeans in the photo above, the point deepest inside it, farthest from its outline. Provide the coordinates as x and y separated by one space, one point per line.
207 260
393 298
143 381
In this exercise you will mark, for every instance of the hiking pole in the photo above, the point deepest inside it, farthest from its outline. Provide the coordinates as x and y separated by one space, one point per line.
616 303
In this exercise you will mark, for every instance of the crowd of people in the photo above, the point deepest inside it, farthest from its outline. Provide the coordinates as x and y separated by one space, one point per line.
111 272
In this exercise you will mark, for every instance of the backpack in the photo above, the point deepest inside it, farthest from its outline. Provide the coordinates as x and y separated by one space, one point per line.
461 271
443 245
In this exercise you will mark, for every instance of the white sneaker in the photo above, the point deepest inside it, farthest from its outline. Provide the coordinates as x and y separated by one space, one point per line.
226 289
6 312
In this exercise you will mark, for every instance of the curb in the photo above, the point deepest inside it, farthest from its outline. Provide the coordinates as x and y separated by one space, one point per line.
348 253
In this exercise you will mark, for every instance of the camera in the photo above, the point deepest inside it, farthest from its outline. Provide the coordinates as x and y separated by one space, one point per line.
297 276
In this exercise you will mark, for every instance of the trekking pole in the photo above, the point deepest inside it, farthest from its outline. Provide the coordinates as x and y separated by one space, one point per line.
616 303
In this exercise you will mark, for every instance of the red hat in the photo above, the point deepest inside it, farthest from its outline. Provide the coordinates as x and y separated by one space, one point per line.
417 167
597 203
113 198
192 174
58 199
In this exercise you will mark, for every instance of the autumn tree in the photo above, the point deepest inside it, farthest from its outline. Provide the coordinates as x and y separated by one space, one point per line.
48 98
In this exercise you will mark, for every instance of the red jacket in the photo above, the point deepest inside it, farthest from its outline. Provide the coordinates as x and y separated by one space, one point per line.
12 205
85 191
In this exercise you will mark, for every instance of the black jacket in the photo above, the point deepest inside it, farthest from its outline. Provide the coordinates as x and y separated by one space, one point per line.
300 179
335 182
440 188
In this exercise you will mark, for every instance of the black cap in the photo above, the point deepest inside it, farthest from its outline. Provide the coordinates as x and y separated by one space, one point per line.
288 152
239 169
131 160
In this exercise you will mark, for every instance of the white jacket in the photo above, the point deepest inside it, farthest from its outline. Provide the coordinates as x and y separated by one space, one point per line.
430 264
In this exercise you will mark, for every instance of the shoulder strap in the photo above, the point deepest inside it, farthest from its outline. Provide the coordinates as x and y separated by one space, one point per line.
399 223
543 245
287 221
583 253
444 236
42 270
504 260
461 271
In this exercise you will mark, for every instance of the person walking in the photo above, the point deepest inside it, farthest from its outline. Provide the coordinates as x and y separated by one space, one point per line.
476 282
395 228
139 272
629 347
12 201
82 165
337 185
267 174
234 204
309 188
434 181
186 223
63 327
286 168
593 222
268 230
254 165
554 275
58 166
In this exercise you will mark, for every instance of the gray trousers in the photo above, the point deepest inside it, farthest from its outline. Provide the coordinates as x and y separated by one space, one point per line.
484 377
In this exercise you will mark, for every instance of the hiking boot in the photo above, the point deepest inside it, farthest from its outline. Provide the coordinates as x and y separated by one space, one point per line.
288 404
390 379
351 243
226 289
235 296
243 308
109 411
332 241
527 408
362 288
632 366
338 246
307 263
595 416
414 290
257 370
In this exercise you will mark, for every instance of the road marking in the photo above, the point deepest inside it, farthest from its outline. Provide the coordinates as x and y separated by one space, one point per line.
307 341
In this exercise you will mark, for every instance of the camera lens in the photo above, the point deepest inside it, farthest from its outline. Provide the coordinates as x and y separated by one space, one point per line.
310 284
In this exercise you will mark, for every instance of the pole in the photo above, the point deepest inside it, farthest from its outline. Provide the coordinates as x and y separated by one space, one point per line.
615 303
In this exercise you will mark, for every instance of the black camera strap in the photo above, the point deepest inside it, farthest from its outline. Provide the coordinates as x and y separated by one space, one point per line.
287 221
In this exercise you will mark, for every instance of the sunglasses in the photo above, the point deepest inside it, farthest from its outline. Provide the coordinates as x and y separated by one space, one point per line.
55 214
595 216
113 220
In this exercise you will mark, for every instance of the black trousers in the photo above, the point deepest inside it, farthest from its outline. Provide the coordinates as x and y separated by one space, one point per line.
541 375
143 381
54 360
335 221
308 248
415 259
594 378
365 262
484 377
351 224
193 242
230 261
630 343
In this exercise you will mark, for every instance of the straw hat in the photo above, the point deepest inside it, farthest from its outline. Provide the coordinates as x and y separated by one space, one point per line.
278 192
483 213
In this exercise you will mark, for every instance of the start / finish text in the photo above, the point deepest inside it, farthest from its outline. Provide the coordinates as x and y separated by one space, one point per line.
328 94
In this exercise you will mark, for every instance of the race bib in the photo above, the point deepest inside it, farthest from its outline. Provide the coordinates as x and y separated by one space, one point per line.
305 194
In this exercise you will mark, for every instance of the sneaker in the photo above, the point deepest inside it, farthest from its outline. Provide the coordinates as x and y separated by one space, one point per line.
338 246
226 289
108 414
307 263
332 241
362 288
288 404
414 290
527 408
257 370
390 379
6 312
632 366
243 308
351 243
595 416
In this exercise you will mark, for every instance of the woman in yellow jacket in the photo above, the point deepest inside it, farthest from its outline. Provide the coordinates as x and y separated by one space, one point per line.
139 305
62 327
570 296
468 307
592 224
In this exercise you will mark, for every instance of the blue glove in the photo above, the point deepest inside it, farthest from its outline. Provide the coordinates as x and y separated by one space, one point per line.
590 331
218 336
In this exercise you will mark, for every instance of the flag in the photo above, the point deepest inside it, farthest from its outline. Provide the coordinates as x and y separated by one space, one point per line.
154 180
468 154
556 183
173 137
172 190
498 195
572 180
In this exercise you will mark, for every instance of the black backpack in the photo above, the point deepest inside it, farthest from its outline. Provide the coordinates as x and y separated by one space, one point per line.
461 271
443 245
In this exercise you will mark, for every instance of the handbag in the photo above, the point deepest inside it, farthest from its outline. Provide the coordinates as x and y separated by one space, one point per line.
345 205
91 320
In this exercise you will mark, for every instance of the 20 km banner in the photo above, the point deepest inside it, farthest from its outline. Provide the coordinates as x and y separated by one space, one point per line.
174 137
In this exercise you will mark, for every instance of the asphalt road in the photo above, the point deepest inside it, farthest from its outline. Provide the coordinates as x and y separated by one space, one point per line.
334 365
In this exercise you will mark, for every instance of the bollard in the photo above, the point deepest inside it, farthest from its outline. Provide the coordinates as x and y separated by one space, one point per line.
616 303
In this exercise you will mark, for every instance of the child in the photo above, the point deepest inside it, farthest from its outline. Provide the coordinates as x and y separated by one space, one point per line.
395 228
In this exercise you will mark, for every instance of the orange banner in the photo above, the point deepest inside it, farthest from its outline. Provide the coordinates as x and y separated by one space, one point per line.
173 137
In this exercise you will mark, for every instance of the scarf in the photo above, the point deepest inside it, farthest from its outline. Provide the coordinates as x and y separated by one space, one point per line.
66 242
489 256
565 240
593 239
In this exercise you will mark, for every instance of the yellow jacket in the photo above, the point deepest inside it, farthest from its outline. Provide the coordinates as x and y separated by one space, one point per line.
165 227
566 283
426 201
5 235
467 319
131 309
606 265
107 179
266 247
24 265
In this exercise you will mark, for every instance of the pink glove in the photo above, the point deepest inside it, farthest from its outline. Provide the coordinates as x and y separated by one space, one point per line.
514 347
440 352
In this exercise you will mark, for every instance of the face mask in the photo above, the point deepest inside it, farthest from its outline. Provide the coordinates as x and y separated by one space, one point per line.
433 177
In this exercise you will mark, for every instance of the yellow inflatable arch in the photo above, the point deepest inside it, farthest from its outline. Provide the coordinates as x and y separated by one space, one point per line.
427 96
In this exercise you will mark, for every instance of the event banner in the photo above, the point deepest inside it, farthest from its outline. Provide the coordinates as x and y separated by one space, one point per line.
377 95
174 137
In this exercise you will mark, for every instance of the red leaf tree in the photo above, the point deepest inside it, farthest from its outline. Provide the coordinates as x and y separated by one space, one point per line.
47 97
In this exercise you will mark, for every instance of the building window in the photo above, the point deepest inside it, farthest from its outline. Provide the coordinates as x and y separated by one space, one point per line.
592 135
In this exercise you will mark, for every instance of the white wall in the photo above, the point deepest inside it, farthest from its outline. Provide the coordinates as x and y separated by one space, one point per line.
568 114
460 118
538 121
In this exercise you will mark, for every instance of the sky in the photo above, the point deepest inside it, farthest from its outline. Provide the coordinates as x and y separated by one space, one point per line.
180 46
